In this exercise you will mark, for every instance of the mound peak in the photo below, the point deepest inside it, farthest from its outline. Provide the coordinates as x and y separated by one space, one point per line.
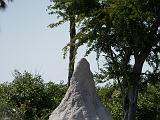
81 101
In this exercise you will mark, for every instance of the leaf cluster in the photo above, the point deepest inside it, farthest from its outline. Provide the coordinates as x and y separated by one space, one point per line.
148 107
65 9
123 31
29 98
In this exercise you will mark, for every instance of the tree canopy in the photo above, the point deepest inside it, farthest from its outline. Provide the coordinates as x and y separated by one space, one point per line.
127 34
3 4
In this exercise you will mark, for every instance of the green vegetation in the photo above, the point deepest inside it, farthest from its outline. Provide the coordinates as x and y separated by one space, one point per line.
148 102
127 34
29 98
64 10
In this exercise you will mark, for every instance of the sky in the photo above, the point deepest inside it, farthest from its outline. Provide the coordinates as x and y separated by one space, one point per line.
26 43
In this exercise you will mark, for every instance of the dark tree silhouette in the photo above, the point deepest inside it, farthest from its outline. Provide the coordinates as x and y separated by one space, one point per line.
3 4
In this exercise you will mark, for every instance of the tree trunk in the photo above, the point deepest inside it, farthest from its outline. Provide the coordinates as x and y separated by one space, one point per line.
132 96
125 107
72 49
125 101
130 101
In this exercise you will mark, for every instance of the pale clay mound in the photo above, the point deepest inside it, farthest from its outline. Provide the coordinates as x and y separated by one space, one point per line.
81 101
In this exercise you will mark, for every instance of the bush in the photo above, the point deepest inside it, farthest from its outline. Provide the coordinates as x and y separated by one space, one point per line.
149 103
29 97
148 106
110 97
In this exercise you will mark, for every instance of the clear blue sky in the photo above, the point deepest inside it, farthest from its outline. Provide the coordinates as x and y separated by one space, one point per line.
27 44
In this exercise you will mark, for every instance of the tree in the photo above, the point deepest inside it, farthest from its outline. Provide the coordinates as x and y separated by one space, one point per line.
43 98
63 9
7 109
125 31
110 97
31 98
148 101
3 4
70 10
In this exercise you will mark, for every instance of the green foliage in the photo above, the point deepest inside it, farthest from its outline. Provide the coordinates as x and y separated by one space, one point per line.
120 26
29 98
70 10
67 8
124 30
120 30
148 102
110 96
7 109
27 91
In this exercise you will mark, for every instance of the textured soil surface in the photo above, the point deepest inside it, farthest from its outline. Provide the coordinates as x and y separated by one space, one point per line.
81 101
